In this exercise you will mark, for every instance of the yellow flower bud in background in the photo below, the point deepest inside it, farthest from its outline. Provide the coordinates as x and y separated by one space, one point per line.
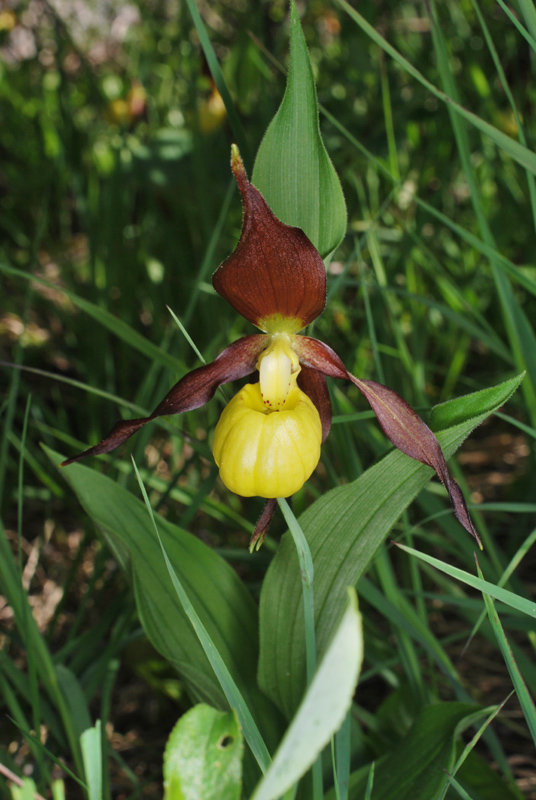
267 453
8 20
211 112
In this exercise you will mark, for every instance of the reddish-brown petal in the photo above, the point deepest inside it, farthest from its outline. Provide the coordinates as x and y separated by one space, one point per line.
314 353
275 278
192 391
402 426
313 383
412 436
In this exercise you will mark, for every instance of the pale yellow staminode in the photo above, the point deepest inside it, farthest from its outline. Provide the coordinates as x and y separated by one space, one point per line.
277 365
267 453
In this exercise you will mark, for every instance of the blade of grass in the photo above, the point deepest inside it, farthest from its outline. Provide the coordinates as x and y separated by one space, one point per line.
523 340
405 617
409 658
470 238
341 755
490 252
41 474
30 736
235 699
526 701
215 70
504 83
518 152
521 425
513 19
470 745
512 566
508 598
529 13
10 698
370 322
389 127
370 782
520 333
307 577
34 643
209 254
115 325
12 395
90 742
107 686
187 336
77 385
380 271
458 788
32 667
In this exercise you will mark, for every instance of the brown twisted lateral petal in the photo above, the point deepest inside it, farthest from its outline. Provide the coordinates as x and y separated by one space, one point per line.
192 391
313 383
275 277
400 423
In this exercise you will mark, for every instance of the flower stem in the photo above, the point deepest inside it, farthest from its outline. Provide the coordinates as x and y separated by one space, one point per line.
307 574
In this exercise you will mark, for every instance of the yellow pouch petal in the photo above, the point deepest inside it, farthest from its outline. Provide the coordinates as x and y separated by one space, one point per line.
267 453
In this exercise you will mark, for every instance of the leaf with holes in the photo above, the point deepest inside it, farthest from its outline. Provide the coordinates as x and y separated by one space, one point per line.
203 756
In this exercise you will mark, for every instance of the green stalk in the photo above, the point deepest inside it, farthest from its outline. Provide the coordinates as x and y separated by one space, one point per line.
506 89
219 80
307 575
32 667
341 758
34 643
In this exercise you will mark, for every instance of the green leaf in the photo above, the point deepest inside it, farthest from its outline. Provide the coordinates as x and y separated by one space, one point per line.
414 769
220 599
481 780
526 701
91 744
58 789
322 710
226 681
503 595
26 791
344 529
463 409
292 169
74 697
203 756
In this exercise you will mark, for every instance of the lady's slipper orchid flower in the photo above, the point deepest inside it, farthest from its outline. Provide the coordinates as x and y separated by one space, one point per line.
267 441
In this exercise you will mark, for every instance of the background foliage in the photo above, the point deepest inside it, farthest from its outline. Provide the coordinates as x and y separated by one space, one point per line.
116 199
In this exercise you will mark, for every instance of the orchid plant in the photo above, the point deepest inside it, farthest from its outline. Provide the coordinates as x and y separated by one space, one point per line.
268 439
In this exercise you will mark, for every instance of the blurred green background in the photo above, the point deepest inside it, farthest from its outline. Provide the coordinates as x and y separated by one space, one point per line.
116 199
